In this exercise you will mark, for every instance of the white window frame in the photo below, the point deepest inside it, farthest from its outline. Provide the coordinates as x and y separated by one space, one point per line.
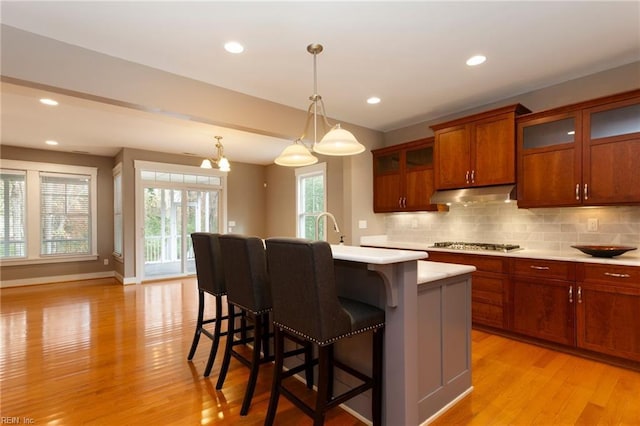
33 226
302 173
118 234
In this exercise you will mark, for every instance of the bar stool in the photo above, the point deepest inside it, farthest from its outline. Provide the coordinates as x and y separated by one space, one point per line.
306 304
206 248
245 271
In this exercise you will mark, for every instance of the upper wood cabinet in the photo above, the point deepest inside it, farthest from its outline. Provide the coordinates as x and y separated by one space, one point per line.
581 154
478 150
403 177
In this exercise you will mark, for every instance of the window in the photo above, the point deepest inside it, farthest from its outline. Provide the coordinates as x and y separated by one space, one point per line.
12 209
311 199
47 212
117 210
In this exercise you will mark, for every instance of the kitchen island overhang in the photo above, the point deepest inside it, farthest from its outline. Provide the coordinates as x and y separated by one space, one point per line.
427 359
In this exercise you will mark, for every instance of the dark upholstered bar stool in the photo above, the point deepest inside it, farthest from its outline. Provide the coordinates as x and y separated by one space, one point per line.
245 270
206 248
306 304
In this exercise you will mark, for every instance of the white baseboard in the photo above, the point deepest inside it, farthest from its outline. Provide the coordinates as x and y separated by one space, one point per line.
55 279
447 407
125 281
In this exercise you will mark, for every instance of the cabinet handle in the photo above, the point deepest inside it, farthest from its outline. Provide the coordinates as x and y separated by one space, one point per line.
404 202
586 191
473 176
466 176
570 294
400 202
540 268
577 192
579 294
613 274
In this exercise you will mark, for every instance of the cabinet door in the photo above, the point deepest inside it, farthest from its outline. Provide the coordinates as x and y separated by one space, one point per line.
487 299
453 157
550 162
387 182
611 153
607 319
419 185
544 309
493 151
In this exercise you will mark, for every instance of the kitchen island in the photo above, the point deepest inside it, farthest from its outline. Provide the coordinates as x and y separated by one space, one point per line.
427 358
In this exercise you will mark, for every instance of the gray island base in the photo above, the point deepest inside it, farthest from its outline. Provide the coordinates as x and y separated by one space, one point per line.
427 358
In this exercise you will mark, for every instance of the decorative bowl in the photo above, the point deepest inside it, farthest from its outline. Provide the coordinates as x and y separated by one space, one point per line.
604 251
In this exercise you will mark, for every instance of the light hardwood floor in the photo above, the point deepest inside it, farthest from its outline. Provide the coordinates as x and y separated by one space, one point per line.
103 354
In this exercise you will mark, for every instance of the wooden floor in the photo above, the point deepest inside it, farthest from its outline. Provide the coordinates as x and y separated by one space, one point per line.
102 354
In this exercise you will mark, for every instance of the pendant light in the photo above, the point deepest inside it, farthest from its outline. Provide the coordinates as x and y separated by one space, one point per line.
220 162
337 141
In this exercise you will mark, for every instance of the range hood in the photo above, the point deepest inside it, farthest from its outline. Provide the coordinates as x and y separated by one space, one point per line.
485 194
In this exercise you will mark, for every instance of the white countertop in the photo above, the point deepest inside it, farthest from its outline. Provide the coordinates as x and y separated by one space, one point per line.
377 256
631 258
433 271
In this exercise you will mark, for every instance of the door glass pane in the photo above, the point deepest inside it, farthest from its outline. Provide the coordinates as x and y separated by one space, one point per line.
388 163
12 214
202 216
551 133
420 157
162 231
613 122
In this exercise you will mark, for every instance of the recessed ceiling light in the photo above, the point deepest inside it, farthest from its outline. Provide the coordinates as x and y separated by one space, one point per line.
476 60
51 142
48 101
233 47
373 100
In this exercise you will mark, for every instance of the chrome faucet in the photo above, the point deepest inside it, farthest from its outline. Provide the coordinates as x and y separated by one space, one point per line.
335 224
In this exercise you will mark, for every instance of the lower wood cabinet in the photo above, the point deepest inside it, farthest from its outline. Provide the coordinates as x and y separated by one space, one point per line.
587 306
543 299
608 310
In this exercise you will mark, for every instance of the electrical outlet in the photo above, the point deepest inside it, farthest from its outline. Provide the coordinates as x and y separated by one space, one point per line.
106 262
362 224
592 224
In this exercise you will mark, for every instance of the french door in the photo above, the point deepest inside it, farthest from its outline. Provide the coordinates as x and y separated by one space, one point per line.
169 212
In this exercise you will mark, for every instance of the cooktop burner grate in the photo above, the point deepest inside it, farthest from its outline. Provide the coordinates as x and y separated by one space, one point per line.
476 246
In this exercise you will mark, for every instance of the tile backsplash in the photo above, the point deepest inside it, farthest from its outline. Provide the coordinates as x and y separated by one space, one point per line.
546 229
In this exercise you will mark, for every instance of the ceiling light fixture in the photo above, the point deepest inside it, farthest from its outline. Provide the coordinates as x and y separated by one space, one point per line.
233 47
373 100
51 142
48 101
336 141
476 60
220 161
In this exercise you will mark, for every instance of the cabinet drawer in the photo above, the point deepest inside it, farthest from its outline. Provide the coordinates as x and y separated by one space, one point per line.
482 263
610 274
548 269
483 313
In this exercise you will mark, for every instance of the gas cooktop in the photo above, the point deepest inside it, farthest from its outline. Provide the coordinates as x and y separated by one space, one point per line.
476 246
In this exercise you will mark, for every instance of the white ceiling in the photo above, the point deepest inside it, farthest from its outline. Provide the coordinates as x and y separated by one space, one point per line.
410 54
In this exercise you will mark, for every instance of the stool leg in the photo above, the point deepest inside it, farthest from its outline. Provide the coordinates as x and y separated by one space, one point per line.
216 336
377 372
227 348
255 364
324 373
196 336
277 376
308 360
265 335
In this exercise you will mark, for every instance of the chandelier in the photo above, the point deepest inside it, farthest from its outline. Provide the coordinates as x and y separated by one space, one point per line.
220 162
337 141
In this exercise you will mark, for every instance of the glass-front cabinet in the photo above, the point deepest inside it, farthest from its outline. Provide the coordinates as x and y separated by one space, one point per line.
582 154
403 177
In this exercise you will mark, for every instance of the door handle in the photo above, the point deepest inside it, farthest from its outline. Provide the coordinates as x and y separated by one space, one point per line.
586 191
577 192
579 294
466 176
570 294
473 176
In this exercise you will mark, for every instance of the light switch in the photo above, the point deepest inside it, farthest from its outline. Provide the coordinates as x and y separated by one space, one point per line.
592 224
232 223
362 224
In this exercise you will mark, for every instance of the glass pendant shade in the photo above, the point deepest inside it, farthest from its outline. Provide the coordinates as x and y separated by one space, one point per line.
338 141
296 155
206 164
224 165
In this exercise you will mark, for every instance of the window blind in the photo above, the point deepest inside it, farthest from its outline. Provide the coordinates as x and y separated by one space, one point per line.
12 213
65 211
